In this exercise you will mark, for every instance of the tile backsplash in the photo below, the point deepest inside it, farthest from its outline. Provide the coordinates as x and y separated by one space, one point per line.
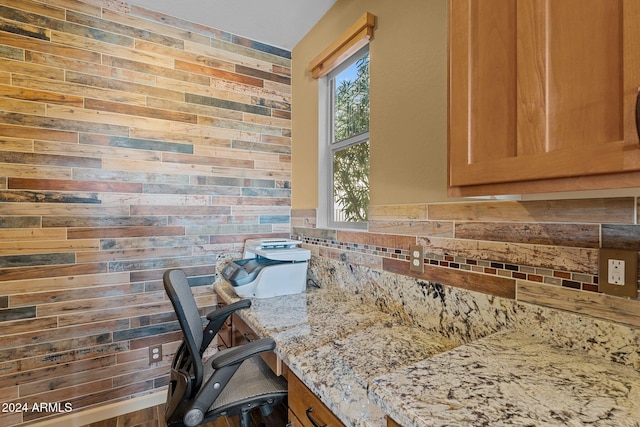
539 252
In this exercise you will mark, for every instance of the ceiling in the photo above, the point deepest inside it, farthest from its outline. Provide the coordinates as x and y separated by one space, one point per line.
281 23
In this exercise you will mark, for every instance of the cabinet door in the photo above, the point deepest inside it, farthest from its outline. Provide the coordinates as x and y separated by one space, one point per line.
542 89
306 408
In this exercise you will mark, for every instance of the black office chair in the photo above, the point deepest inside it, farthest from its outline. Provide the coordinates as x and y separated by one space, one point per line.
232 382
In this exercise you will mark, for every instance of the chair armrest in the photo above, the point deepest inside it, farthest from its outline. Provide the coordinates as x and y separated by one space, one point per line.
217 318
228 309
238 354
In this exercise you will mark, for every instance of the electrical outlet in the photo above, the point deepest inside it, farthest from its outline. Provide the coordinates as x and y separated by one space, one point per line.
615 271
416 257
155 353
618 273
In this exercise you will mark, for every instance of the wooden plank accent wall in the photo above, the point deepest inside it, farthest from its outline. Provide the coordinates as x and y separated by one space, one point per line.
130 142
538 252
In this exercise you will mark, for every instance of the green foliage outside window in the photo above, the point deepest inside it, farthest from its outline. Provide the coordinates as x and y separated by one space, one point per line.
351 164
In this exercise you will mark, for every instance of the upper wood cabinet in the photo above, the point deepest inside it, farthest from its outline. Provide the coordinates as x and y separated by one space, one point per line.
542 95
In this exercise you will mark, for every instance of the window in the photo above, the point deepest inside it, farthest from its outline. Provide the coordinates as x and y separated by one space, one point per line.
342 70
347 156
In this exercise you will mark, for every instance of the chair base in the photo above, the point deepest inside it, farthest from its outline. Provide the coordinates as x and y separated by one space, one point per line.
244 419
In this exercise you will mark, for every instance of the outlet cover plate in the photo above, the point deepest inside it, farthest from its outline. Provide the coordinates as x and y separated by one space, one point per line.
630 258
155 353
416 257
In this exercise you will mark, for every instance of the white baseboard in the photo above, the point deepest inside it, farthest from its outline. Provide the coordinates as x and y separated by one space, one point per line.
103 412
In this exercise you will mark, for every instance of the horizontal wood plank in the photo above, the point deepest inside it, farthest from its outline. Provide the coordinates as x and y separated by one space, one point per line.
115 232
603 306
611 210
372 239
37 133
70 185
218 73
24 273
577 235
114 107
40 96
492 285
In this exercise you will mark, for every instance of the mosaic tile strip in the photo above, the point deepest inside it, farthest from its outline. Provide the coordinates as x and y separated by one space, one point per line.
565 279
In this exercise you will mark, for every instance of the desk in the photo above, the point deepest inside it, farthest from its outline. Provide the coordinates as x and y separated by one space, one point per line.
365 364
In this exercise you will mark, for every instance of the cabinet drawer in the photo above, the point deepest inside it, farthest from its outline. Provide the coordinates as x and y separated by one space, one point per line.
307 407
293 420
241 334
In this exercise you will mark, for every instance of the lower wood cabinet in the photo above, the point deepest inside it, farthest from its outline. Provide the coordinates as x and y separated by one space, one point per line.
305 409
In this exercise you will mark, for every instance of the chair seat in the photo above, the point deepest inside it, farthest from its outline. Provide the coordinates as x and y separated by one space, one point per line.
253 382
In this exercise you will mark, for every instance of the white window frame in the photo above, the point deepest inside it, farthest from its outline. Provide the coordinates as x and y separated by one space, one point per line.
326 146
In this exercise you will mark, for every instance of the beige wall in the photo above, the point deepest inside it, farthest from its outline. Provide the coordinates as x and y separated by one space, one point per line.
408 100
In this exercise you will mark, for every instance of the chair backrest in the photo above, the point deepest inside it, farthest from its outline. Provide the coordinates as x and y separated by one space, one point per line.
187 362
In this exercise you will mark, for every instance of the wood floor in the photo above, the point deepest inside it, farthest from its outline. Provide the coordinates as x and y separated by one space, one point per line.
154 417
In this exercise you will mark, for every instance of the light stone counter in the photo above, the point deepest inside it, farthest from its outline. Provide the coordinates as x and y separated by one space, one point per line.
336 345
364 363
511 379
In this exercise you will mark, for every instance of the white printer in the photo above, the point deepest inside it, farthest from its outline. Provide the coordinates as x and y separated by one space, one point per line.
271 267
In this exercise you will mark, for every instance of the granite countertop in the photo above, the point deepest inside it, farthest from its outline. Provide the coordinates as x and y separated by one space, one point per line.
336 345
365 364
511 379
